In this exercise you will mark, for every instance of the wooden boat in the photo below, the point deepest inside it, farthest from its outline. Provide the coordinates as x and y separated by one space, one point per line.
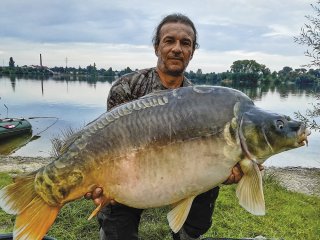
10 127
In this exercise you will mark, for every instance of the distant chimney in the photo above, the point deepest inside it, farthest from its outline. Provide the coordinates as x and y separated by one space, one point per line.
40 60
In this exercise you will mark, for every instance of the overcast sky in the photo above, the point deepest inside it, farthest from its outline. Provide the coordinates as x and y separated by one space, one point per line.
118 33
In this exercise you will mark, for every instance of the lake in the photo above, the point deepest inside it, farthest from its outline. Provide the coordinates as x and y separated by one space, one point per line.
57 105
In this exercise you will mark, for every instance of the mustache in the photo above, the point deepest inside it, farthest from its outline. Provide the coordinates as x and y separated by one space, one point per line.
175 57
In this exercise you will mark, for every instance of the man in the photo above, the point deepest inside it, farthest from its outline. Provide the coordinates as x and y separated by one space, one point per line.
174 42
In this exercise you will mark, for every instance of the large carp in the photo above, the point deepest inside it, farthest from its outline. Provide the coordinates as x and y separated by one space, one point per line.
164 148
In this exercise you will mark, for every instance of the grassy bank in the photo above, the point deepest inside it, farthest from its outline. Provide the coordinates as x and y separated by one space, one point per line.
289 216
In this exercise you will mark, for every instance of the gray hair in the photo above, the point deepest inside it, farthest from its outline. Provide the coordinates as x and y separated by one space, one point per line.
175 18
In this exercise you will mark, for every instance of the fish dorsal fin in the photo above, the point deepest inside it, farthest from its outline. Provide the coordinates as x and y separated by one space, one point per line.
249 190
177 216
69 136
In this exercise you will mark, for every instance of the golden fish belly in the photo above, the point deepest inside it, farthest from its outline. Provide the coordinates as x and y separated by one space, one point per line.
161 175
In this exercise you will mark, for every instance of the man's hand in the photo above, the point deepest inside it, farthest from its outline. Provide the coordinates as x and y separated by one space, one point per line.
236 174
97 196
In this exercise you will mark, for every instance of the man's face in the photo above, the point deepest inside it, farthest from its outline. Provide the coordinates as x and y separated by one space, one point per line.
175 48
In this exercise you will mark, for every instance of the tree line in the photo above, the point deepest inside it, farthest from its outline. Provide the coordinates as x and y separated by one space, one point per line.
245 72
251 73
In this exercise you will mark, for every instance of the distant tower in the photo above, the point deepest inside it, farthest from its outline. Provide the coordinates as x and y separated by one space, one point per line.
40 60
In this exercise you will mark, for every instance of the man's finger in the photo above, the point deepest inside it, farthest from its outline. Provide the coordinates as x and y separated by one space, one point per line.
230 180
97 192
88 196
97 201
261 167
236 171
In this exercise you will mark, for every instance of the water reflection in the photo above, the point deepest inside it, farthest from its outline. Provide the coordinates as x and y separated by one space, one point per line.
257 92
10 145
89 79
13 82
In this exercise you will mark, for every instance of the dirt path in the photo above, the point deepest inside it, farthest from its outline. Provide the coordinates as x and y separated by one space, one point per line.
22 164
303 180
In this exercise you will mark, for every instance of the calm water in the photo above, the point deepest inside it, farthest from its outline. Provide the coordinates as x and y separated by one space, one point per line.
65 104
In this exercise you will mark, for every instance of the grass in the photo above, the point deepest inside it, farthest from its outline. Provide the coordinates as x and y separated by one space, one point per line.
6 221
289 216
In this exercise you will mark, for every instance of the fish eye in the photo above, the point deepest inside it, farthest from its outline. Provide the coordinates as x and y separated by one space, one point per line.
280 124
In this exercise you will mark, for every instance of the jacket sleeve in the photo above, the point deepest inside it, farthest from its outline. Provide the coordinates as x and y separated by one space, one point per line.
119 93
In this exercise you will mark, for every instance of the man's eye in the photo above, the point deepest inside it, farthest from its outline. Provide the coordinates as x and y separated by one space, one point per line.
186 43
168 41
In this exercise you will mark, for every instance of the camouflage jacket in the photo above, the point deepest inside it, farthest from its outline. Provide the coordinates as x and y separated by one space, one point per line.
136 84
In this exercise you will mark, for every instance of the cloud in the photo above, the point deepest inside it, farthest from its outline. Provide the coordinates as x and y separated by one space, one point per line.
58 21
78 54
279 31
216 61
101 30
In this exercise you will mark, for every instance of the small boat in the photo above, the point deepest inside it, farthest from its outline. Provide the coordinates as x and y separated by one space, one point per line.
10 127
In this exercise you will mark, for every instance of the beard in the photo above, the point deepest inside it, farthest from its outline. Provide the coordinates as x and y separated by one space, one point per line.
173 69
175 73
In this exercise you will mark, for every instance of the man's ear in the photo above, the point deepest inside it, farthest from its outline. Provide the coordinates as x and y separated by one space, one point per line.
191 56
156 50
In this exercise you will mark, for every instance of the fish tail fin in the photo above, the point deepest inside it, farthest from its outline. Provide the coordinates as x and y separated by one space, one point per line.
249 190
34 216
15 197
35 221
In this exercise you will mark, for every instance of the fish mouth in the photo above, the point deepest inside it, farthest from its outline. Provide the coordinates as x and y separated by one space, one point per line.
303 137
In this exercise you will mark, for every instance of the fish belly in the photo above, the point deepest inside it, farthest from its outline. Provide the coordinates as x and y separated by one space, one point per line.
157 176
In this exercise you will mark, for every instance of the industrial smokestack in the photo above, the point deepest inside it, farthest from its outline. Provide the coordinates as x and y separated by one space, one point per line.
40 60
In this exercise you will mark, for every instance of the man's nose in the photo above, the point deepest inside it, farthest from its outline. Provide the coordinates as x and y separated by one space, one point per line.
177 47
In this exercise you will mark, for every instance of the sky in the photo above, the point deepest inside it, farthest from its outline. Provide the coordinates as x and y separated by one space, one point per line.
118 33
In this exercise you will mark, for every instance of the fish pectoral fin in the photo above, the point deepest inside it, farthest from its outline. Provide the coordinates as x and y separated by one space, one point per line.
178 215
104 202
95 212
249 190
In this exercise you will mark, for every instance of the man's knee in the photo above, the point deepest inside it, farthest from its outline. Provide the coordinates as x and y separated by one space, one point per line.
119 222
199 219
102 235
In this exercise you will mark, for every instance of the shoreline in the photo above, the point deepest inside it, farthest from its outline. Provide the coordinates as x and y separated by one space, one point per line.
297 179
22 164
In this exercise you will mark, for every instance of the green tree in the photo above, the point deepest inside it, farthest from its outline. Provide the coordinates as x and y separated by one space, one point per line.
125 71
310 36
110 72
11 62
91 70
285 73
248 71
199 72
